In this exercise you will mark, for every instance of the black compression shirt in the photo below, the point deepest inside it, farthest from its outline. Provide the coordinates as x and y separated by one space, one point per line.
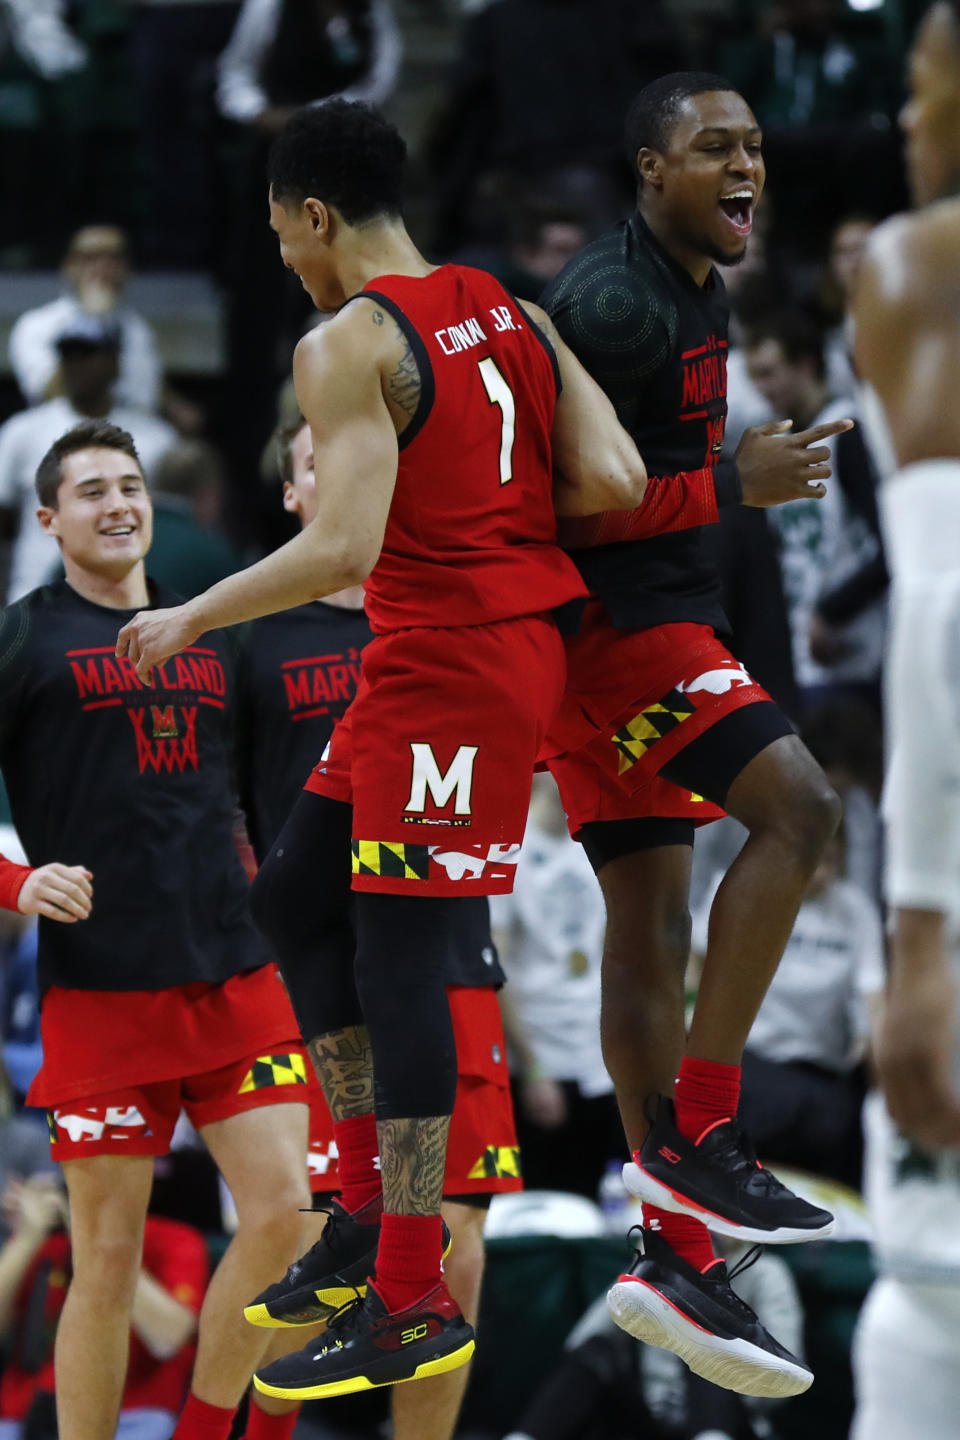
133 782
297 673
656 342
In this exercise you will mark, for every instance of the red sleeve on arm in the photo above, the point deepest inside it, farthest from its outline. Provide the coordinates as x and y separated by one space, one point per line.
176 1256
671 502
11 882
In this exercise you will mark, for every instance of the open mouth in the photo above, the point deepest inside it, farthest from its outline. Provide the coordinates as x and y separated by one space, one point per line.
738 209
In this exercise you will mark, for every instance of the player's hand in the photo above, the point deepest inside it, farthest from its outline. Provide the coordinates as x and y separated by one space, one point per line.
544 1102
152 636
776 465
914 1051
34 1207
60 892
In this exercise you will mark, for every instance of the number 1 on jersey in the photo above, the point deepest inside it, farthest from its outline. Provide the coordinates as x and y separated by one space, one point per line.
499 393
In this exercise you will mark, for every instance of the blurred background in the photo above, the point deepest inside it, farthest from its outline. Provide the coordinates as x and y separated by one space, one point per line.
139 280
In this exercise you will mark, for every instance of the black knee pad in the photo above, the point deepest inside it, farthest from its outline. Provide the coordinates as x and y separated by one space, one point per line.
301 903
403 943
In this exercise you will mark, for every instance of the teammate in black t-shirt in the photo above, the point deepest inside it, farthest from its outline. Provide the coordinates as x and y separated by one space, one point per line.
297 672
680 729
162 996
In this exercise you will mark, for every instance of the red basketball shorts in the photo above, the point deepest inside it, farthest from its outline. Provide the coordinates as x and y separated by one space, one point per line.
437 751
635 699
120 1064
482 1153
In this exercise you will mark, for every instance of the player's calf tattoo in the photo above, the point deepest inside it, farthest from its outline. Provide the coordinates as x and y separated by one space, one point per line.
343 1061
412 1160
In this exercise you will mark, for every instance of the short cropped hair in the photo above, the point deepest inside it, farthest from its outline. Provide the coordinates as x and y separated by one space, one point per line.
88 435
797 335
343 153
282 441
655 112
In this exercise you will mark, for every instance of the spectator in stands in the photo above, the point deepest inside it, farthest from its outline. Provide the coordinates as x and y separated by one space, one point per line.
541 86
95 271
189 553
835 297
282 54
803 1075
831 556
174 50
549 934
88 349
825 85
538 234
34 1277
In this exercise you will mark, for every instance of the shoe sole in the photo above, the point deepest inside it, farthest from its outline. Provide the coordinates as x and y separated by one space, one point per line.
354 1383
644 1186
647 1315
331 1298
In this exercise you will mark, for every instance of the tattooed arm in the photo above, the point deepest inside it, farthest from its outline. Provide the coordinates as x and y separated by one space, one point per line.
343 375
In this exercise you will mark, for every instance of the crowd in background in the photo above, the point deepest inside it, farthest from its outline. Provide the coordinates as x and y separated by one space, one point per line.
133 137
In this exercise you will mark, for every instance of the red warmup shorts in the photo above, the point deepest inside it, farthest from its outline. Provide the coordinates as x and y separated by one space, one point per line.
436 754
635 699
483 1157
120 1064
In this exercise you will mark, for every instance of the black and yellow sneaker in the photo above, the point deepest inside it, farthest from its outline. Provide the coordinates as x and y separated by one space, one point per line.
666 1302
332 1272
364 1346
720 1181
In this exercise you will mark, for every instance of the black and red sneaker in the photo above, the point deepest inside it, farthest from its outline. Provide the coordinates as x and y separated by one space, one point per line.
720 1181
364 1346
666 1302
333 1272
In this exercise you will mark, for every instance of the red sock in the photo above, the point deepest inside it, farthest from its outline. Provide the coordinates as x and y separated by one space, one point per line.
357 1148
201 1421
706 1093
686 1237
408 1258
261 1426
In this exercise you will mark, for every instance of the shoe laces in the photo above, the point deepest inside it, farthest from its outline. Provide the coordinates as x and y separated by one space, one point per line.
349 1315
737 1156
745 1262
329 1239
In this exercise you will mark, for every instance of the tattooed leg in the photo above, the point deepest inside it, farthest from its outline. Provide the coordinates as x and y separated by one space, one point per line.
343 1061
413 1154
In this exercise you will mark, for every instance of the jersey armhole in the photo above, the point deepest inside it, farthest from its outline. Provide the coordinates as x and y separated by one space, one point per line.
424 365
551 353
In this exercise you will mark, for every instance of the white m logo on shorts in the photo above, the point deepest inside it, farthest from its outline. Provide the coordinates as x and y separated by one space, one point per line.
427 776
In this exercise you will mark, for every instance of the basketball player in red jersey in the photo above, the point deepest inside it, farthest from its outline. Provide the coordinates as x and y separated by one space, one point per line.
439 407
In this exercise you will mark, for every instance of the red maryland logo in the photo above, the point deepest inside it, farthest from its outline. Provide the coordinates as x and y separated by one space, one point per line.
168 739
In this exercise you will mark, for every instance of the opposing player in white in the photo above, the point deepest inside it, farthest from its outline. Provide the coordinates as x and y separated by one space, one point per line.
908 350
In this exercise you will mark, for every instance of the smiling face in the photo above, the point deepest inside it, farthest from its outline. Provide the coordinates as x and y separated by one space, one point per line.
702 188
304 235
930 120
103 519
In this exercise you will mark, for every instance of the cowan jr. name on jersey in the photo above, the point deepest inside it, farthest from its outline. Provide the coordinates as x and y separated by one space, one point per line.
471 535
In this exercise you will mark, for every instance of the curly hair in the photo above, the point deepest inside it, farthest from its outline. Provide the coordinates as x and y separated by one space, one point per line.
343 153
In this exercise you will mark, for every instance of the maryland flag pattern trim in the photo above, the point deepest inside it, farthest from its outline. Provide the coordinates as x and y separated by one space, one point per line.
497 1162
268 1070
390 858
636 737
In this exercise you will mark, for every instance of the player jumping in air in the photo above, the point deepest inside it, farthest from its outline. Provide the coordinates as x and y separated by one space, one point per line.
664 728
438 408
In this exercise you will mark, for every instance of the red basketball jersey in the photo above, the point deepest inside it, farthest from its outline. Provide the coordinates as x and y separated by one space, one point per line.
471 536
